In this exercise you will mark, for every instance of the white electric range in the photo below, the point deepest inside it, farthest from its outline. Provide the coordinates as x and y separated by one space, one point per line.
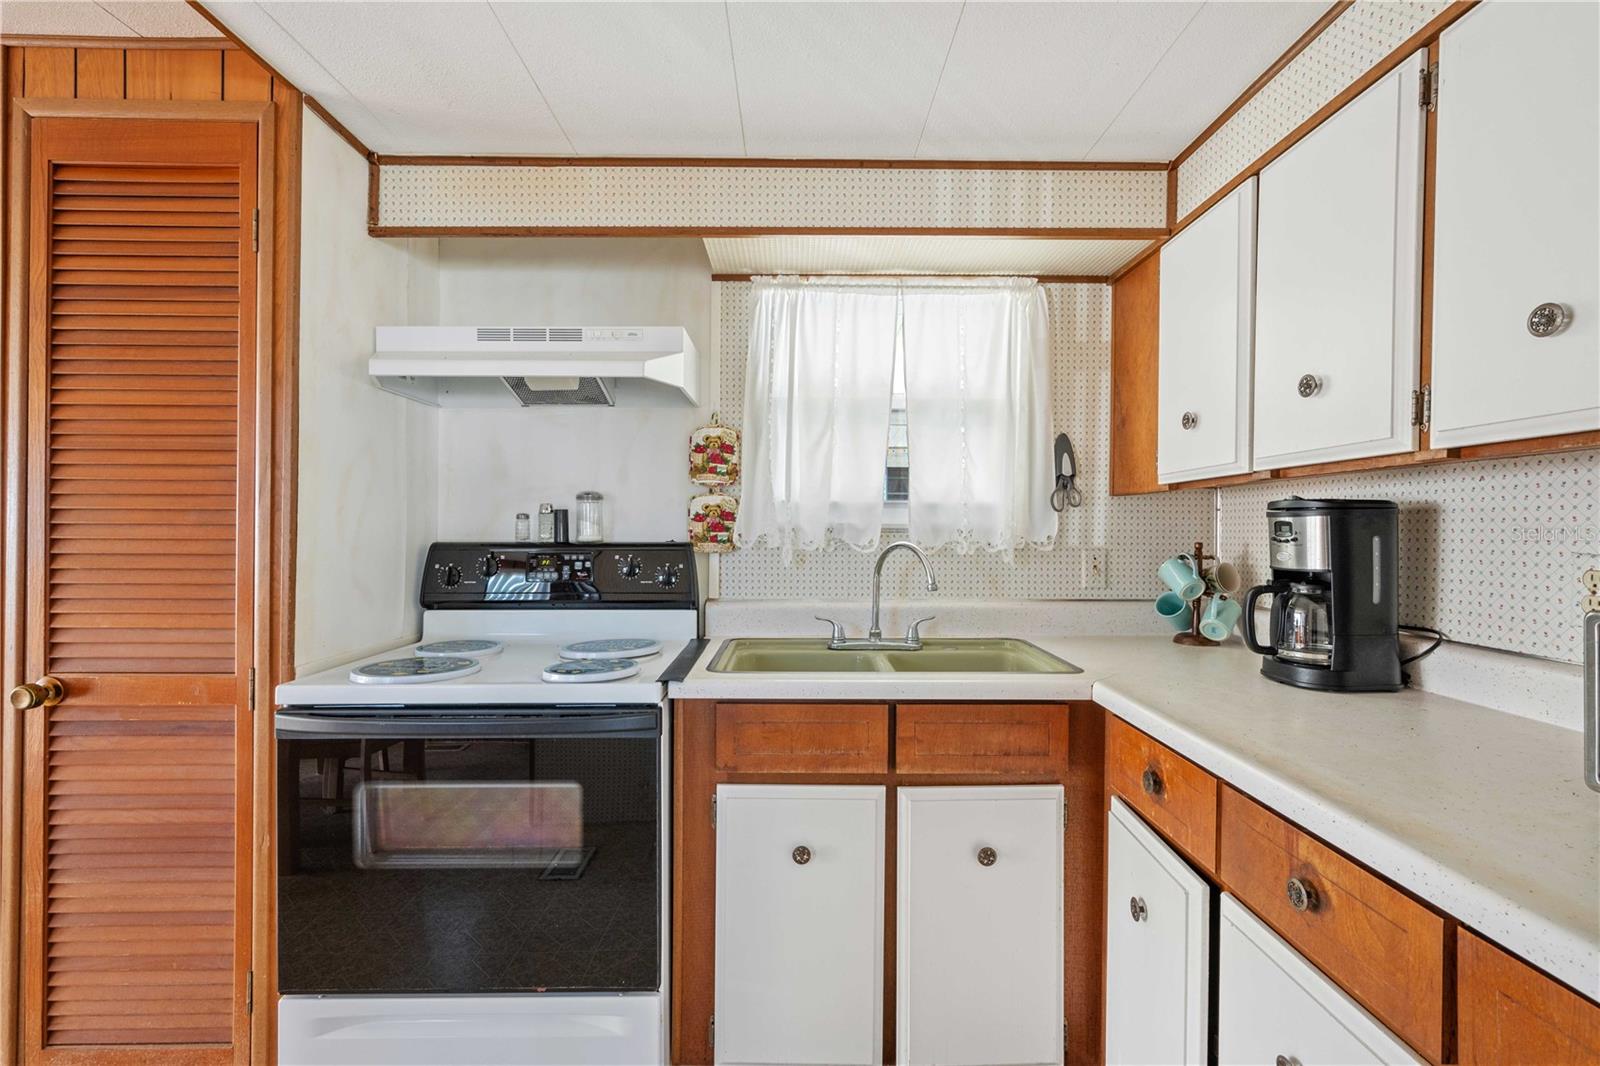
472 829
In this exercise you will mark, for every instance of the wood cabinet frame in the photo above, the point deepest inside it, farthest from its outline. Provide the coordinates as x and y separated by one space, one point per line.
253 95
696 776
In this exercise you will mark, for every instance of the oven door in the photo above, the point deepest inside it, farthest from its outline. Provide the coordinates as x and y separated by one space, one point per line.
469 851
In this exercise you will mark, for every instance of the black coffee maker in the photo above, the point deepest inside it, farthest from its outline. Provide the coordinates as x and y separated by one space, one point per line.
1335 620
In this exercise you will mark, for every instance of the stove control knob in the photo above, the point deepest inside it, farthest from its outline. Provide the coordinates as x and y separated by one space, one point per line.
666 577
451 576
488 566
628 565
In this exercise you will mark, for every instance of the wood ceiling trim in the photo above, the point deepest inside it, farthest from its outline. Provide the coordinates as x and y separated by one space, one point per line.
47 40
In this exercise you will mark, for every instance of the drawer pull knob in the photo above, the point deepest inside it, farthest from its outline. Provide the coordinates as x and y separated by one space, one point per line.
801 855
1151 780
1190 420
1302 896
988 856
1547 320
1308 385
1137 908
1287 1060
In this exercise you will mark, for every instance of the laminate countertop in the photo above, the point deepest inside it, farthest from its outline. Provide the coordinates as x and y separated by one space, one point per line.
1482 813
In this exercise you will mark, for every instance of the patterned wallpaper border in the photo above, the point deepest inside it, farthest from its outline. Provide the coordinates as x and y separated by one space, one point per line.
778 197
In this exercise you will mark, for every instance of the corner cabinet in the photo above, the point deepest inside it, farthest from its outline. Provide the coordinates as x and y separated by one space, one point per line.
979 925
799 921
1517 224
1207 326
1338 291
1158 948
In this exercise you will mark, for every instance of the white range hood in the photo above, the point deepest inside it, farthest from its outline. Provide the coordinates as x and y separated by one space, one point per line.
538 366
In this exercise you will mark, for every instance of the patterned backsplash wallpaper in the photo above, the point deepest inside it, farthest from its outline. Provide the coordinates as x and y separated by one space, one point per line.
1137 533
1491 552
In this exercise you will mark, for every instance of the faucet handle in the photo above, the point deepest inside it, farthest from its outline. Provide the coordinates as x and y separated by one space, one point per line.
838 630
914 634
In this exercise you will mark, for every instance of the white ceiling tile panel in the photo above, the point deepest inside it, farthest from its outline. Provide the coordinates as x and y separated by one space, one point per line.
442 75
841 80
1220 52
634 78
754 196
160 18
1044 80
71 18
254 23
806 254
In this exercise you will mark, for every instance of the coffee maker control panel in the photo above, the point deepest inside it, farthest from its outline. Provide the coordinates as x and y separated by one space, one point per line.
1300 542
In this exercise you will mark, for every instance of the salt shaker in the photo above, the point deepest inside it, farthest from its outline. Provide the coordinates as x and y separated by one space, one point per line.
523 532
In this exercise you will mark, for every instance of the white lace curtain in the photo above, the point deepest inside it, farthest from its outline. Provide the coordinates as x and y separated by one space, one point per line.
817 396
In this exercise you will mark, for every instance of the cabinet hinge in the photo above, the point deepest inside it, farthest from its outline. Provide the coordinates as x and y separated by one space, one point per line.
711 1031
255 230
1427 407
713 812
249 991
252 686
1416 407
1428 87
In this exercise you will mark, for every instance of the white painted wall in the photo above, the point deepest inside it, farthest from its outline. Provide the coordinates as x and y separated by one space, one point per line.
495 463
368 460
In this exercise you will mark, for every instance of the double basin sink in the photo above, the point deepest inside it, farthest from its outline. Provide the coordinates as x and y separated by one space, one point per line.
807 655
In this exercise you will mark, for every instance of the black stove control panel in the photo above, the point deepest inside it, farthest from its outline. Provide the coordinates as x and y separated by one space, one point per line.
488 576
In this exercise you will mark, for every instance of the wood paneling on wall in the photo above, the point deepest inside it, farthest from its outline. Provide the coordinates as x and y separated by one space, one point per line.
190 70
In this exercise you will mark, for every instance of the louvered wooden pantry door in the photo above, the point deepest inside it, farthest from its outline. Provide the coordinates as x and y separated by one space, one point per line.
140 547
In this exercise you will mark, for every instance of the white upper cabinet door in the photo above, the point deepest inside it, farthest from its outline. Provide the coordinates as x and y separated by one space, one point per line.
1158 949
1338 289
979 933
799 924
1517 224
1207 323
1274 1006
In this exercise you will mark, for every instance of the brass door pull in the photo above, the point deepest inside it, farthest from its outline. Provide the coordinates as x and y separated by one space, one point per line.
45 692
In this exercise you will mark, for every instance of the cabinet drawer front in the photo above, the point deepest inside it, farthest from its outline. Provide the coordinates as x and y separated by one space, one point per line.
1180 799
1511 1012
1383 947
995 738
1158 944
1273 1005
799 934
979 951
792 738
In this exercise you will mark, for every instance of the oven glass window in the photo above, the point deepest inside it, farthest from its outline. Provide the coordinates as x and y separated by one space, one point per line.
469 866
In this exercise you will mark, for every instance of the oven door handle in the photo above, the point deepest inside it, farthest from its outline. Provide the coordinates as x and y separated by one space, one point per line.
609 725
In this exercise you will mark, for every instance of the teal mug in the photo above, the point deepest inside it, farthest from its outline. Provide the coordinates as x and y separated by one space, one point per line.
1175 609
1182 575
1220 616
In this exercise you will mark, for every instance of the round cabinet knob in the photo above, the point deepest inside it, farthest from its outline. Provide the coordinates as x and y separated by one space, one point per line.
1547 320
1137 908
1151 780
801 855
988 856
1309 385
1190 420
1302 895
45 692
1286 1060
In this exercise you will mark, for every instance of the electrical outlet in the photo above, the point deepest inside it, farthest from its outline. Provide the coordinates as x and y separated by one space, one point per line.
1591 581
1590 604
1093 575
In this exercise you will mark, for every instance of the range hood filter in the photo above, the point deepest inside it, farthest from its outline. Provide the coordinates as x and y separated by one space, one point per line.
536 392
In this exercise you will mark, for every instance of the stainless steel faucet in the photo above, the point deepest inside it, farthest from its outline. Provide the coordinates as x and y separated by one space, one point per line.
874 640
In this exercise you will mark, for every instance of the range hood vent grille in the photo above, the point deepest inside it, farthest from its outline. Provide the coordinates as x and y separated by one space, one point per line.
590 392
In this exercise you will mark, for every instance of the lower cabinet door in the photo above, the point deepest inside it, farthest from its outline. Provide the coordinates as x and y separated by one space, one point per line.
1158 948
799 924
979 925
1274 1006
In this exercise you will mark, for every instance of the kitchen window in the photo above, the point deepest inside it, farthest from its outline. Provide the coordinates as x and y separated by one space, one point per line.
847 380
